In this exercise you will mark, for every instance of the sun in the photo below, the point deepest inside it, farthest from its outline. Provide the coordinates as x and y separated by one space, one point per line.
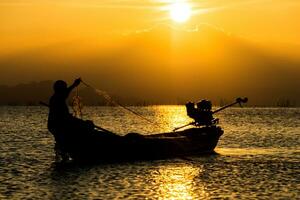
180 12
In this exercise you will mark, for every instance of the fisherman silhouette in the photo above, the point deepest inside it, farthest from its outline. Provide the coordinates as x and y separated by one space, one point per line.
61 123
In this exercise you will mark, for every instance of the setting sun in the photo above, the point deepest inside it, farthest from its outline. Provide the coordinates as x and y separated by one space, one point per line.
180 11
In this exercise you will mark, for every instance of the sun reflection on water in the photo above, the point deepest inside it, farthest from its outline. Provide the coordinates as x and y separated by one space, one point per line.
169 117
177 182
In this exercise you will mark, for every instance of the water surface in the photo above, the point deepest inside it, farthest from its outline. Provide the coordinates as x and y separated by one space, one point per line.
258 157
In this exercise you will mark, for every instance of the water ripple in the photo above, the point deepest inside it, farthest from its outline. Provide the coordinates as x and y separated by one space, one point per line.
258 158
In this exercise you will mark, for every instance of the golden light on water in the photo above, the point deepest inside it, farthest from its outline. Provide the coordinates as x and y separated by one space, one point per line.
180 11
177 182
169 117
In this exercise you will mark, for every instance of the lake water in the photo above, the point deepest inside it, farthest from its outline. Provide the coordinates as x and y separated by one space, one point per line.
258 158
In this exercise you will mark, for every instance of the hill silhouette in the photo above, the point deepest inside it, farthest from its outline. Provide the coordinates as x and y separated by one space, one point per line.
32 93
25 94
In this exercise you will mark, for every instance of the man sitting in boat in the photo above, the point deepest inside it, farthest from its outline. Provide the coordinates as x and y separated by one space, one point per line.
203 114
60 122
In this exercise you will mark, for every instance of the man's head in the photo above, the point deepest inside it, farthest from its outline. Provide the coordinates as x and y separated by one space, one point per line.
60 86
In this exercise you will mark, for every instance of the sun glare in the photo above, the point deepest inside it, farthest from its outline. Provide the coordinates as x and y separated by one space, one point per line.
180 12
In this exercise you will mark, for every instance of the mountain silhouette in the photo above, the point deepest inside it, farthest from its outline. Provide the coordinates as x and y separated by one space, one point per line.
31 94
166 65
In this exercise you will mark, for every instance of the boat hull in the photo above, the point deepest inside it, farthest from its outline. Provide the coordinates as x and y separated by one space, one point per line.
101 146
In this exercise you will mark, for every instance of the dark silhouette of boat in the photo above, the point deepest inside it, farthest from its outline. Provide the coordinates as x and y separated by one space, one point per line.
85 144
101 146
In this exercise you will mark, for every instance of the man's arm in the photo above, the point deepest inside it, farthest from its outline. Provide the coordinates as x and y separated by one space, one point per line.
74 85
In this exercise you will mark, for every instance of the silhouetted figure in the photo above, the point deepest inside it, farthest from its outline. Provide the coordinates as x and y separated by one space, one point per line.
203 114
58 109
61 123
71 132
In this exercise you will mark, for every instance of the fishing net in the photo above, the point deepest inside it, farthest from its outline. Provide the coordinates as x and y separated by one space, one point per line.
77 105
110 100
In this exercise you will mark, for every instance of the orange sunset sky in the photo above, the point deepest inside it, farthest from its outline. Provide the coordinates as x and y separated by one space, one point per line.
156 49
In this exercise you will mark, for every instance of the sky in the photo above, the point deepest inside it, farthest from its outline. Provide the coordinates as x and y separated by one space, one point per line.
135 47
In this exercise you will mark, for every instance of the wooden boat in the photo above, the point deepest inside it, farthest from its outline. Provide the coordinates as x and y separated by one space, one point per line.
102 146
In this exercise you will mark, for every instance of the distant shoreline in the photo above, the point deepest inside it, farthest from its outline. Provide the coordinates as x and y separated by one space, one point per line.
30 94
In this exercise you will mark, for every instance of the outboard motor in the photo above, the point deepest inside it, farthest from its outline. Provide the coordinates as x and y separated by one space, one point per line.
191 110
204 105
203 114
